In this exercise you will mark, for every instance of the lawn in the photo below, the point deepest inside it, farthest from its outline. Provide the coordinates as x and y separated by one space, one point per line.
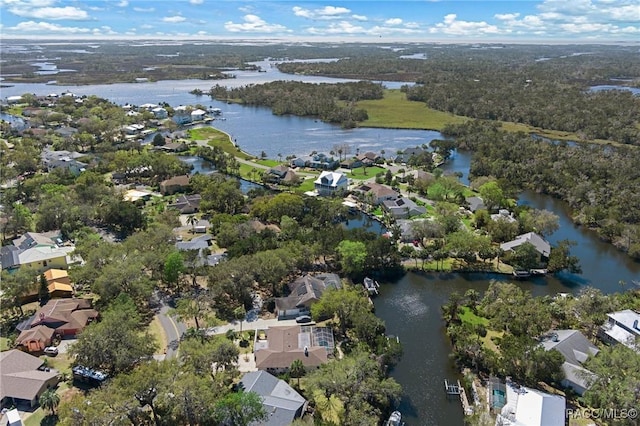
4 344
306 185
468 316
215 137
395 111
268 163
359 173
155 329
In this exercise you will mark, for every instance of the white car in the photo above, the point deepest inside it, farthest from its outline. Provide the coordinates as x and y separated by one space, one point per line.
51 350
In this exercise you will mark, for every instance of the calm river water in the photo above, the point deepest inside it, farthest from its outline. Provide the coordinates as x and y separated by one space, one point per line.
410 306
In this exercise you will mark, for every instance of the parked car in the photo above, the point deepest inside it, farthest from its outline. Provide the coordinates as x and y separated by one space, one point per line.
303 319
51 350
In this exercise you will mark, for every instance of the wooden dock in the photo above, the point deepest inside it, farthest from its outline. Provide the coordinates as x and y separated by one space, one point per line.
371 286
453 389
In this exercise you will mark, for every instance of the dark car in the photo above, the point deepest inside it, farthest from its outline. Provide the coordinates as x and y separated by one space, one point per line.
303 319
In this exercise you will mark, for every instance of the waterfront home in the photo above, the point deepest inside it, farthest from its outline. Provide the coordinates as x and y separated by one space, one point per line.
160 113
23 378
530 407
504 214
14 99
280 401
351 163
281 174
368 158
377 193
175 184
198 115
475 204
303 292
319 161
331 183
276 348
403 208
576 349
406 155
541 245
622 327
148 107
37 251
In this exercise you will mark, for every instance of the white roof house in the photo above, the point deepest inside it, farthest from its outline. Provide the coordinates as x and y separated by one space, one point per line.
197 114
329 183
530 407
622 327
542 246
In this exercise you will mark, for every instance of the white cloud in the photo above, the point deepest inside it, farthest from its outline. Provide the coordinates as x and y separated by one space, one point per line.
360 17
506 16
176 19
325 13
451 26
144 10
342 27
123 3
29 10
254 24
32 27
146 26
393 21
196 2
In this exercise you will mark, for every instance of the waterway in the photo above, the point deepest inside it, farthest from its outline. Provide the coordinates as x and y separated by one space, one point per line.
410 306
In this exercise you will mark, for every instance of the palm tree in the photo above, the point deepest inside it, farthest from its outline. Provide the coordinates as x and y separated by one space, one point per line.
297 370
192 220
49 400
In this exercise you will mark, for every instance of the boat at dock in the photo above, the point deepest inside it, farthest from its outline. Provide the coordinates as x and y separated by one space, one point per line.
395 419
371 285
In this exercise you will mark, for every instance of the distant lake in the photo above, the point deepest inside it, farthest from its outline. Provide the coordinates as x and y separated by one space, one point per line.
634 90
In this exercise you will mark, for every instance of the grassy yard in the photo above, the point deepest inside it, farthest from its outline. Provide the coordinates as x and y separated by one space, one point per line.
4 344
269 163
396 112
155 329
468 316
215 137
359 173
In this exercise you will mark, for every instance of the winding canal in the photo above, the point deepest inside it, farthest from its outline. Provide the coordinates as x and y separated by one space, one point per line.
410 306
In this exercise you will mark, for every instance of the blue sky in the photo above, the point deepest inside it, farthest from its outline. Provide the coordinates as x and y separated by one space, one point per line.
579 21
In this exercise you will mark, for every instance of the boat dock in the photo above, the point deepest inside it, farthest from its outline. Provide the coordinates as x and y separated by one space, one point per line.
371 286
453 389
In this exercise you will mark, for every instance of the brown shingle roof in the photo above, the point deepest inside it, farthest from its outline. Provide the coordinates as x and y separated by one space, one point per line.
287 344
20 377
40 333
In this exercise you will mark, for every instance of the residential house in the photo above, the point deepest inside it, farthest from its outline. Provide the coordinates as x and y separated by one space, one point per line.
14 99
172 147
35 339
187 204
277 347
181 115
201 226
504 214
368 158
575 348
68 317
58 283
148 107
174 184
200 244
133 129
318 161
530 407
377 192
351 163
622 327
13 418
281 174
160 113
198 115
303 292
280 401
137 194
38 251
62 160
541 245
23 378
406 155
475 204
331 183
403 208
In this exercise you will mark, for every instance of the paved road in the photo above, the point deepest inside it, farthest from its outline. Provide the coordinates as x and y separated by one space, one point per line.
173 329
248 325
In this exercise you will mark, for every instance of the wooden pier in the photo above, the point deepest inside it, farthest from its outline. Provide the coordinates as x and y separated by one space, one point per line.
453 389
371 286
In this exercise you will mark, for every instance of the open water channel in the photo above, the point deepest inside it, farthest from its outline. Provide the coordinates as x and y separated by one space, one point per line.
410 306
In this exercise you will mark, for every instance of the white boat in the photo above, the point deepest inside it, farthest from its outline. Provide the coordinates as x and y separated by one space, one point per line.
395 419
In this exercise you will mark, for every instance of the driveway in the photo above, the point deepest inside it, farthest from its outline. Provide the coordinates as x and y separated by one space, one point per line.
249 325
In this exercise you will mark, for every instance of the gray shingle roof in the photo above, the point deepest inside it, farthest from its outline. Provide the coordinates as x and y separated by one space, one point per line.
282 403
